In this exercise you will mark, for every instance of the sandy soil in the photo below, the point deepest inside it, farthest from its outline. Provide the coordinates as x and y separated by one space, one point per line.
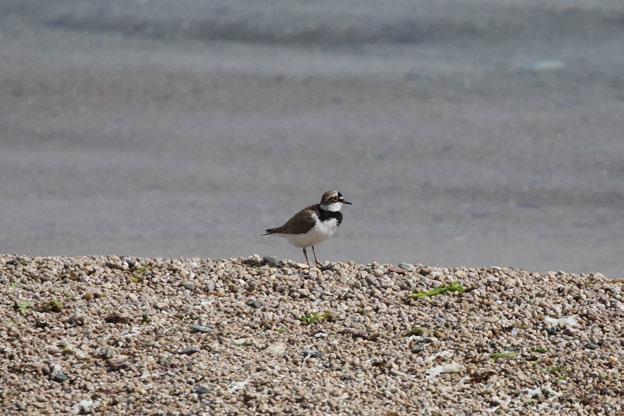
470 133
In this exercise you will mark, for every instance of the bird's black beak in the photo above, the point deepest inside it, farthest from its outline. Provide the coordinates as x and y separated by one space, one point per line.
346 202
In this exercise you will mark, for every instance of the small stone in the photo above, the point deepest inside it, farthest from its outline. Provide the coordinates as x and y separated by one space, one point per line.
396 270
189 351
425 271
568 321
237 385
415 332
117 363
371 280
201 390
58 375
106 353
204 329
553 331
311 354
241 341
40 323
112 265
116 318
254 259
444 369
385 282
460 274
406 266
254 303
89 296
277 349
592 346
418 348
75 320
54 350
327 266
83 407
188 286
271 261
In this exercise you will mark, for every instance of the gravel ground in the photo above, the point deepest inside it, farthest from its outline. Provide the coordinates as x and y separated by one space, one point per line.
114 335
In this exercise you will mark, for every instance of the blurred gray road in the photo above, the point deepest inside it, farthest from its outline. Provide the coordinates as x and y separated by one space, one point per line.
473 132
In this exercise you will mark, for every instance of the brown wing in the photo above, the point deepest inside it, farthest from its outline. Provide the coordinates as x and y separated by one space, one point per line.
300 223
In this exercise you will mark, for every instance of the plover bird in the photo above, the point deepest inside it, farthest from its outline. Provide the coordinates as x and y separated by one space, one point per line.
314 224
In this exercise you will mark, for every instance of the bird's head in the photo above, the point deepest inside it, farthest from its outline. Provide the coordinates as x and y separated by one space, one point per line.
333 201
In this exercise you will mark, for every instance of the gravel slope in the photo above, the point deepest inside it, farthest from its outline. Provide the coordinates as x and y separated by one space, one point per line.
113 335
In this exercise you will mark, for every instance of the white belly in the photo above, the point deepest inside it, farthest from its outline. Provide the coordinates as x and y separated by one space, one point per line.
319 233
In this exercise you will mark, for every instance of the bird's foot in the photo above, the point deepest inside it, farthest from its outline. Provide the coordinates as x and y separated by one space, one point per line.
325 266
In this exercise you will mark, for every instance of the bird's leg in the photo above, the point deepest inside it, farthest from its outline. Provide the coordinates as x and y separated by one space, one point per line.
318 263
305 253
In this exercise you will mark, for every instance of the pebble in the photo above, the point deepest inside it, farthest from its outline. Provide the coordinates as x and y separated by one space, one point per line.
553 330
75 320
237 385
264 360
254 303
59 375
460 274
204 329
271 261
189 351
444 369
418 348
425 271
83 407
117 363
311 354
201 390
371 280
116 318
279 348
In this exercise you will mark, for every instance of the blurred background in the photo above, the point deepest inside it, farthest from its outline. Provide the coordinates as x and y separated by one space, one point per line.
465 132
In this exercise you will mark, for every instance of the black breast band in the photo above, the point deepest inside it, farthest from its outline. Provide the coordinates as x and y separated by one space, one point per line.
326 215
